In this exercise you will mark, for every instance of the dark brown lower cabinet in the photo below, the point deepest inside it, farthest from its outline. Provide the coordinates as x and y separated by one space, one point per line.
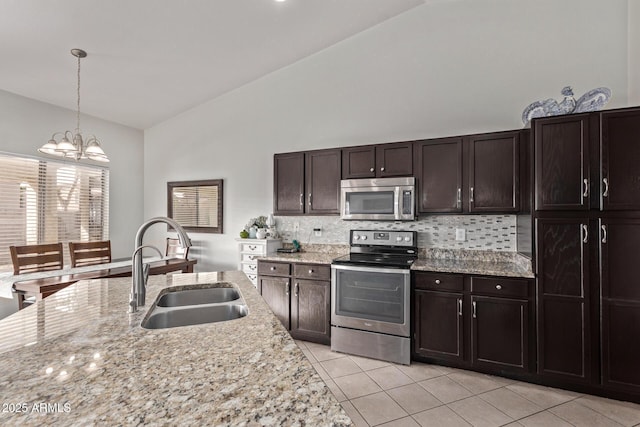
500 333
477 322
301 299
563 305
311 310
620 303
439 325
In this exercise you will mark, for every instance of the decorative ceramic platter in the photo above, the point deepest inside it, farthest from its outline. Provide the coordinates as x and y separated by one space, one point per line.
593 100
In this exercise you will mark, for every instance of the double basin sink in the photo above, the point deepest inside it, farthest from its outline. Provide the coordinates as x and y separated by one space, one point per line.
217 302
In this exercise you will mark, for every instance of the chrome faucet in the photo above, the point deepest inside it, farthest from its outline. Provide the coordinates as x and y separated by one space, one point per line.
139 273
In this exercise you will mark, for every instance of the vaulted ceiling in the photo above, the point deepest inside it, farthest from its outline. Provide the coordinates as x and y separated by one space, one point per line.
149 60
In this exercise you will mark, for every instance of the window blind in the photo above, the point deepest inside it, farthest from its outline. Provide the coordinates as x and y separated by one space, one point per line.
45 201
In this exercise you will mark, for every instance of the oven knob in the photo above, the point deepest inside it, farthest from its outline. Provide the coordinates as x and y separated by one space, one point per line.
407 238
364 237
399 239
356 237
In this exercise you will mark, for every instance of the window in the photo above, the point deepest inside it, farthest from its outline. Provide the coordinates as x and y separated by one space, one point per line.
196 205
44 201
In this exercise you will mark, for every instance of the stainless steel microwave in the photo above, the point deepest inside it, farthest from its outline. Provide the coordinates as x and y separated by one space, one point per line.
378 199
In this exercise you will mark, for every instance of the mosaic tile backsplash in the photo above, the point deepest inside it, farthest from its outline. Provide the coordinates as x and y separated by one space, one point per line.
483 232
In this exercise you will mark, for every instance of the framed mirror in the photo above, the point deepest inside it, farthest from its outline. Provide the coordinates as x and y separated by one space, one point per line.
196 205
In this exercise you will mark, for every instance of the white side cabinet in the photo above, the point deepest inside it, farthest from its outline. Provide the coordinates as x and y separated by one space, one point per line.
249 250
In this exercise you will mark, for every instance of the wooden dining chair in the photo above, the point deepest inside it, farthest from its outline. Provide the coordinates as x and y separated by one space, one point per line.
175 250
34 258
90 253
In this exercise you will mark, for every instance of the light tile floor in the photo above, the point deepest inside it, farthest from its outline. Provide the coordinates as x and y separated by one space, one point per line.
376 393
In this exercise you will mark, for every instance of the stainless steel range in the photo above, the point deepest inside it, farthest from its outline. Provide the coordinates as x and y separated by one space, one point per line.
370 295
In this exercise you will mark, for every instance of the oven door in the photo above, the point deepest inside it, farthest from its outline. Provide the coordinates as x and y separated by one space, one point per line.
372 299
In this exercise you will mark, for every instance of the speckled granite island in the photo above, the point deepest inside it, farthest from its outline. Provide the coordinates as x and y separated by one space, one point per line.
79 358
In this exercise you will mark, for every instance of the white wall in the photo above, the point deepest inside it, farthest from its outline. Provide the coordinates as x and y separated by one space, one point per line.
26 124
634 52
441 69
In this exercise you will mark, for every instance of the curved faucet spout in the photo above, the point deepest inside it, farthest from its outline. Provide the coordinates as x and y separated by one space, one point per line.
138 291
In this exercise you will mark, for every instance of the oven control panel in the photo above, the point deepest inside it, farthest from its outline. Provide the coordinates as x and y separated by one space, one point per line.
383 238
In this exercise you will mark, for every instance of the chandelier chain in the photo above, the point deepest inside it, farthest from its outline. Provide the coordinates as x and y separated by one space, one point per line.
78 103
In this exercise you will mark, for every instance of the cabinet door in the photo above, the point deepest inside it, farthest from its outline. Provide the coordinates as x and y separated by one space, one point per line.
564 345
311 311
438 325
439 172
359 162
620 304
620 147
500 333
323 181
288 184
394 159
494 172
275 291
561 146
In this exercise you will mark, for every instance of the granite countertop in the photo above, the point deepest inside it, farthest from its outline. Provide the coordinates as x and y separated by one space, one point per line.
78 358
488 263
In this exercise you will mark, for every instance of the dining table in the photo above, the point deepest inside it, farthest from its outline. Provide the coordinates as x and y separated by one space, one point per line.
42 287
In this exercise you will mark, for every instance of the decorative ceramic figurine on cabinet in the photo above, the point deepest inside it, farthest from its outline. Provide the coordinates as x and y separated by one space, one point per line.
593 100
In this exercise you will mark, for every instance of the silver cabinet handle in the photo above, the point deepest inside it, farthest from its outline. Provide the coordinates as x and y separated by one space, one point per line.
371 170
586 187
273 268
437 281
473 306
498 286
605 181
309 199
286 289
382 169
295 289
604 233
459 306
459 199
471 194
585 233
301 199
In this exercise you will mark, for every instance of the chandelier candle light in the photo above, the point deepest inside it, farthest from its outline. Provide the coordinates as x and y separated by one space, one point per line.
72 144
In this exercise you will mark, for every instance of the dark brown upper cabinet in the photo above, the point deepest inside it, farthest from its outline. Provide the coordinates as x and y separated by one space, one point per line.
620 163
307 183
439 174
494 172
378 161
561 147
288 184
476 173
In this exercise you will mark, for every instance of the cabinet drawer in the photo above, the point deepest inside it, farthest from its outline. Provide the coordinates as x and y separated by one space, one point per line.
274 268
500 287
253 248
250 258
250 268
312 271
439 281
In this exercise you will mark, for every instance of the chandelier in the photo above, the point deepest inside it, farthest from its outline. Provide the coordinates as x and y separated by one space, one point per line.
72 144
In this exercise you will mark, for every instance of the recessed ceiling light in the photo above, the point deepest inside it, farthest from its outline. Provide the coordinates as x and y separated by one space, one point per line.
280 1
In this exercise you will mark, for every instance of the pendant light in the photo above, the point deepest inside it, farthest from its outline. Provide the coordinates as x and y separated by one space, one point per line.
72 144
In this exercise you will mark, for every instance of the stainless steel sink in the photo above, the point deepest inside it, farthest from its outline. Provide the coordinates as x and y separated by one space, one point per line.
193 315
198 297
215 302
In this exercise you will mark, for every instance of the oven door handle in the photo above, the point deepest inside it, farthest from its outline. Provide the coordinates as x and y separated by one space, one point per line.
403 271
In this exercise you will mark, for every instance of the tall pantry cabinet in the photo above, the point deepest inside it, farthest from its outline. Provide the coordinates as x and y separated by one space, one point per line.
587 249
